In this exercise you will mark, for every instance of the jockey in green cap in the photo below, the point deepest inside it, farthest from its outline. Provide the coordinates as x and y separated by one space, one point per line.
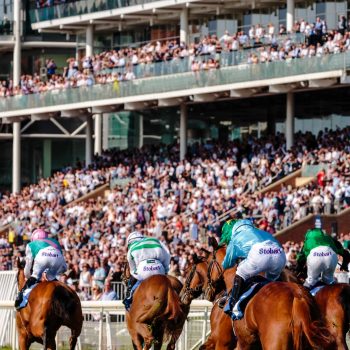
226 232
319 253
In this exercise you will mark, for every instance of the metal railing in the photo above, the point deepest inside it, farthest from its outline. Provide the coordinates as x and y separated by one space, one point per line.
179 82
101 332
82 7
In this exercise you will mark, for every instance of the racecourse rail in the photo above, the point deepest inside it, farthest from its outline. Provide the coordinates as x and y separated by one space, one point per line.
104 327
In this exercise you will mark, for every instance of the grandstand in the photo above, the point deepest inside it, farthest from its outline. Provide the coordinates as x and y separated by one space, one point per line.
169 117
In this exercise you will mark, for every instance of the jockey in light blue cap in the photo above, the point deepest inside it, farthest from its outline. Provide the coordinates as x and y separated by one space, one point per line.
260 251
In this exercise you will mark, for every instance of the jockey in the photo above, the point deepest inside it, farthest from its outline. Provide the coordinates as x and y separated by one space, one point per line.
319 253
43 254
260 251
146 256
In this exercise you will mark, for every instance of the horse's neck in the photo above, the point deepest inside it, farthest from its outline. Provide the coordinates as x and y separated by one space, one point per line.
20 279
220 254
229 274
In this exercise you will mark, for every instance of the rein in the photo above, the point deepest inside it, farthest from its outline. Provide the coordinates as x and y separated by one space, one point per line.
188 290
211 283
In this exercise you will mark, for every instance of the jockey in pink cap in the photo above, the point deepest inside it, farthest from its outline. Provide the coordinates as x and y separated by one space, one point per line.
43 254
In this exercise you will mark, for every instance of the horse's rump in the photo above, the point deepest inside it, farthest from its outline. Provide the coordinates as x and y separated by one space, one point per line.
289 307
163 300
307 322
334 304
64 303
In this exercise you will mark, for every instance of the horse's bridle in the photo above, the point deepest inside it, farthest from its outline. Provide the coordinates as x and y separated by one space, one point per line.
211 284
188 291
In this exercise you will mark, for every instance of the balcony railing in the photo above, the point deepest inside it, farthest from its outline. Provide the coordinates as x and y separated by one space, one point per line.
81 7
181 81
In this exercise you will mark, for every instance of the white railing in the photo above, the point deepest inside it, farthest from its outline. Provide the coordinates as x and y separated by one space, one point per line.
8 290
104 327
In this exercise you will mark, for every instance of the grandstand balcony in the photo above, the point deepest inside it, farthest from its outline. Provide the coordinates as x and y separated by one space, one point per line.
229 81
77 14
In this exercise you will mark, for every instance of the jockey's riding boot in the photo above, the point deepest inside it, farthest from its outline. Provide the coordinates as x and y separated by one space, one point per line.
30 282
235 293
222 301
128 295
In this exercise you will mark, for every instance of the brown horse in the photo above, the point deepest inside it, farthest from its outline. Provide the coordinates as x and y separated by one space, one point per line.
281 315
156 314
50 306
198 281
334 305
207 276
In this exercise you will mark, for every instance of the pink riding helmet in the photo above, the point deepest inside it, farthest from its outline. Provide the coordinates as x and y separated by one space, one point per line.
38 234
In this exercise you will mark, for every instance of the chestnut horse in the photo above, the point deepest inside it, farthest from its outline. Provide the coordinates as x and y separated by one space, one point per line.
50 306
282 315
208 278
156 314
334 305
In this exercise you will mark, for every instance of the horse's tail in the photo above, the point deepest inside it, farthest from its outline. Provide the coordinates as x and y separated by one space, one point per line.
64 304
173 310
305 323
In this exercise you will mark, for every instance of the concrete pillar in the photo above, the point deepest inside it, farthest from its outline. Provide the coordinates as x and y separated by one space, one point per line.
16 157
105 131
98 134
290 15
183 131
140 131
17 48
88 141
89 51
47 158
184 25
290 120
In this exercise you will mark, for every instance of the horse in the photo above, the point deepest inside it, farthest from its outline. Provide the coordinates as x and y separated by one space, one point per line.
334 304
50 306
156 313
205 276
282 315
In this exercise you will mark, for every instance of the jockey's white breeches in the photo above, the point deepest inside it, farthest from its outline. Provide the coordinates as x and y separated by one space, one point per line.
147 268
321 264
50 261
267 257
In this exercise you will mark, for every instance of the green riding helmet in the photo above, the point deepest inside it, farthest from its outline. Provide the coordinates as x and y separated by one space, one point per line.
226 232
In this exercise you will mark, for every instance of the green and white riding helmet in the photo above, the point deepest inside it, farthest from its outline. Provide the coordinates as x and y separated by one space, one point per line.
226 232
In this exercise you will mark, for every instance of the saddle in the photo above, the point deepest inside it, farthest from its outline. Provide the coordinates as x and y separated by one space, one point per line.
251 288
317 287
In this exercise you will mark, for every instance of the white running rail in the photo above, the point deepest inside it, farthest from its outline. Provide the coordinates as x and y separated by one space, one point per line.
104 327
8 291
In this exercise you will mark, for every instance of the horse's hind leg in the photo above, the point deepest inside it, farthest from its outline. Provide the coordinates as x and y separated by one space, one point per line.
49 341
74 338
158 337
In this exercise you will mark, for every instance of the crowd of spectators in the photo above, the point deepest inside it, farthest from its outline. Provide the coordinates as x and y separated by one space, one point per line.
179 202
258 45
